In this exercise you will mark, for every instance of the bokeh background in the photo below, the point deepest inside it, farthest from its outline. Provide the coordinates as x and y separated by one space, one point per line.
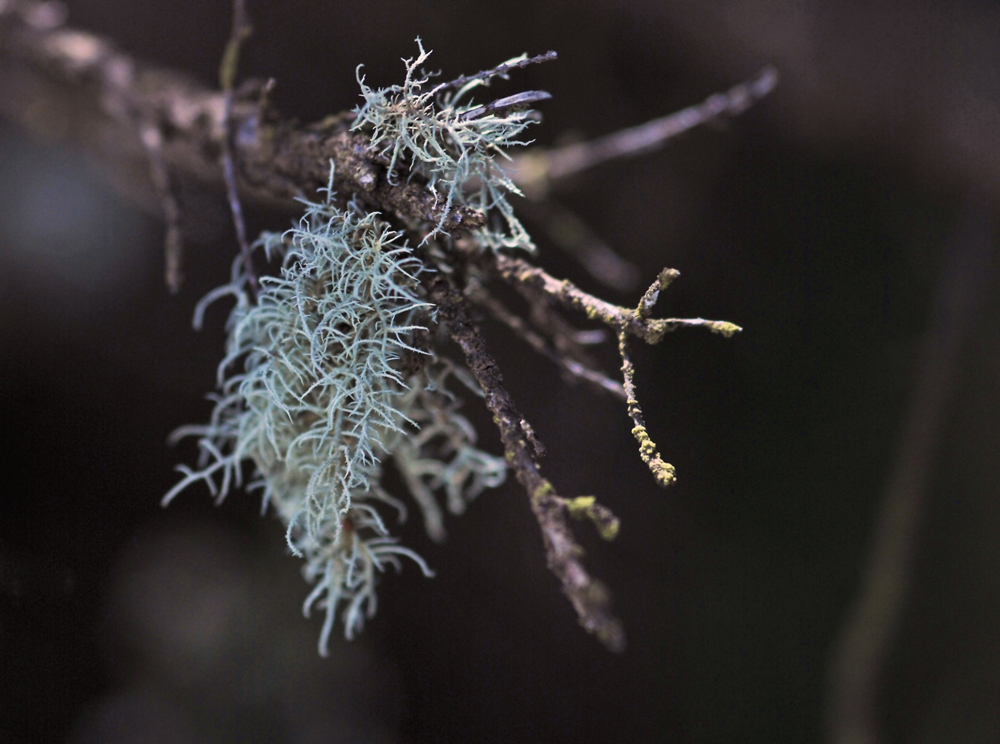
827 221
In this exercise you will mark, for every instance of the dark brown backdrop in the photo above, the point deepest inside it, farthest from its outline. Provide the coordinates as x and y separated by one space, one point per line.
822 221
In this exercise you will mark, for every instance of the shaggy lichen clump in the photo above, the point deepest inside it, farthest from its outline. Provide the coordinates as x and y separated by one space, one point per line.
337 379
434 132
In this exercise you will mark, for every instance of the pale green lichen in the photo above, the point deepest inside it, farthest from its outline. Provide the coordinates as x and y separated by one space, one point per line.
317 392
435 132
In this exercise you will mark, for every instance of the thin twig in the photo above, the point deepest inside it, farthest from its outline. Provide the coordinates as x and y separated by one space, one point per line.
500 71
173 252
662 471
73 51
539 344
227 78
535 170
518 101
519 271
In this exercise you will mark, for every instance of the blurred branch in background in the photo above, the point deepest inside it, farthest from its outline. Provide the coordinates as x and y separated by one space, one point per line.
858 664
535 171
916 82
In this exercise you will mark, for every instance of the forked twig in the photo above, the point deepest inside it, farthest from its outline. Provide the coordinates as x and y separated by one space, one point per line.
518 271
625 322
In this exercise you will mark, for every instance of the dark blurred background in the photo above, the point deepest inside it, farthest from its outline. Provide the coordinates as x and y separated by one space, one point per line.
825 221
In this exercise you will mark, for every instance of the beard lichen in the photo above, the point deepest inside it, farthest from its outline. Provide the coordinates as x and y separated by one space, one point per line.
319 389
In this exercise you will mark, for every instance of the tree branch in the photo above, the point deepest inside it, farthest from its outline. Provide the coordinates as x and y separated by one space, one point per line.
589 597
78 86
